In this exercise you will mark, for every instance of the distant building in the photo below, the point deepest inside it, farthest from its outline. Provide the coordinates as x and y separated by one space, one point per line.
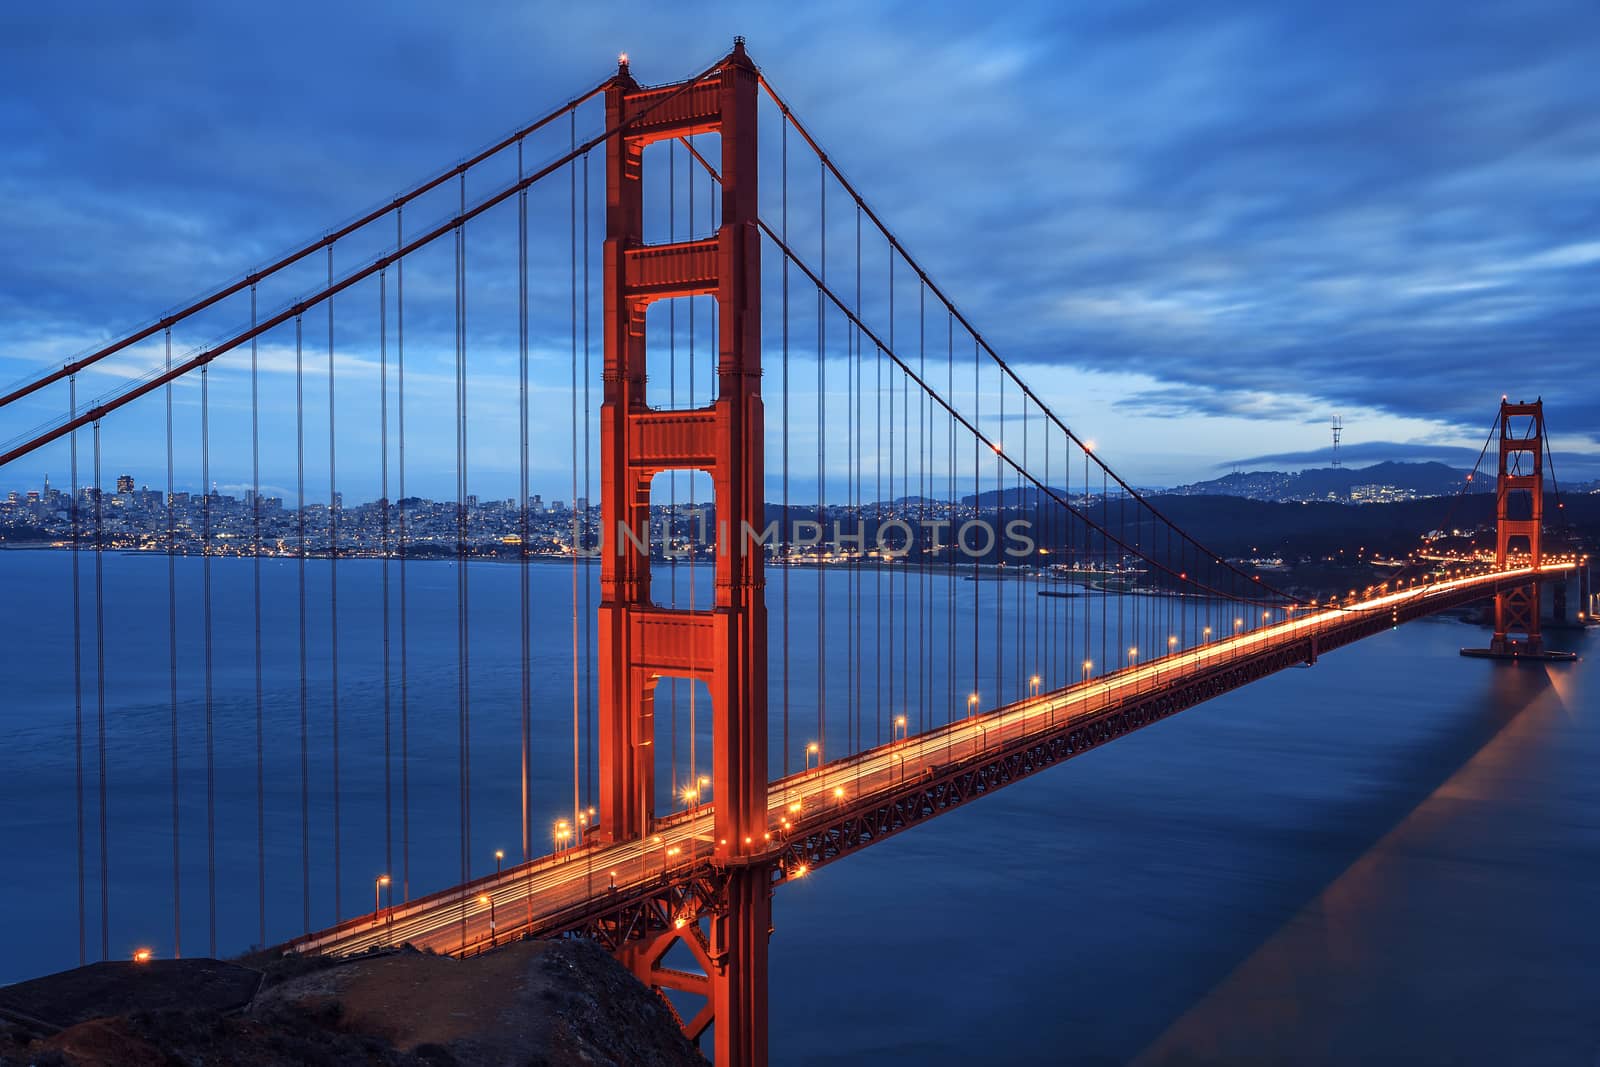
1380 494
124 483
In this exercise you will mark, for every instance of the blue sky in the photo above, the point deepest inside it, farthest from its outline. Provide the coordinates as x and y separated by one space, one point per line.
1199 230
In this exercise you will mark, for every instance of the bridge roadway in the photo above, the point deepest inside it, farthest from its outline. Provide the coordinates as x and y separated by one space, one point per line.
825 812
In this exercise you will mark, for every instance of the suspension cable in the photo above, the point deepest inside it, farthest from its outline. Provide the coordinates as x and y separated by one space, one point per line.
1005 367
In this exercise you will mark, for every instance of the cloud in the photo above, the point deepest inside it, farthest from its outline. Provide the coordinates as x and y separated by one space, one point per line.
1273 211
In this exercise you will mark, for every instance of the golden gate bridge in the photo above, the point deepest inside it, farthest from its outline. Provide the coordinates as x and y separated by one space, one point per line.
891 405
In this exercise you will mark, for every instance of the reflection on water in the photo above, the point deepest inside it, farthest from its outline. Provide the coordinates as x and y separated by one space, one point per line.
1388 859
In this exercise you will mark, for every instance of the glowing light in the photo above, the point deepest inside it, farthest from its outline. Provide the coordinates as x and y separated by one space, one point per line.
622 59
483 898
838 790
142 955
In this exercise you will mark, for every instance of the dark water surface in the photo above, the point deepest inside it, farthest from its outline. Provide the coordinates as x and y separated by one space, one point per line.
1393 857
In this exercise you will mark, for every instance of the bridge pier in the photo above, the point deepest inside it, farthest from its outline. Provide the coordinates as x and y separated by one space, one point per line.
732 953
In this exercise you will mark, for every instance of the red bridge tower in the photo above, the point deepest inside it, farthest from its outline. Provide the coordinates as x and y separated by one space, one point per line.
1519 514
725 646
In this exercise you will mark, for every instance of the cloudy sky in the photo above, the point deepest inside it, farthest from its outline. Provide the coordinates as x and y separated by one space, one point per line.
1199 229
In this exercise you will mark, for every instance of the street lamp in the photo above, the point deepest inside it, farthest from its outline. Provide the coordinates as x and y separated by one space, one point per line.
499 859
562 833
972 704
485 898
1172 643
1088 665
900 727
1033 686
1238 624
1133 655
1206 633
813 749
377 887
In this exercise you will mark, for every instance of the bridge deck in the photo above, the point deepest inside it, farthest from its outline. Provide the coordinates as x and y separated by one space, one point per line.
848 803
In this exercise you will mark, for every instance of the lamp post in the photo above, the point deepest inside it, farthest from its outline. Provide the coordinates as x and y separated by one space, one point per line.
813 749
1033 686
900 727
1088 665
377 901
499 859
485 898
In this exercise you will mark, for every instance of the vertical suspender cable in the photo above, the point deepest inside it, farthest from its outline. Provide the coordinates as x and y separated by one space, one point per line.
334 507
522 510
923 632
172 669
694 727
672 402
977 505
463 728
400 455
100 701
950 597
300 566
255 600
205 572
588 586
861 549
77 678
383 566
889 575
788 523
822 479
577 532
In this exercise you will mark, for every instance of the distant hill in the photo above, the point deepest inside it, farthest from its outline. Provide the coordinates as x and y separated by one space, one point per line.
1379 482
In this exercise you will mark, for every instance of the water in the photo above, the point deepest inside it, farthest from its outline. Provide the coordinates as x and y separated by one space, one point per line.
1388 858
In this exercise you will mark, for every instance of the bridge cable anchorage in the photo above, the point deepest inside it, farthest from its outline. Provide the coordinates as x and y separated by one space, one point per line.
77 680
32 443
254 277
1005 367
